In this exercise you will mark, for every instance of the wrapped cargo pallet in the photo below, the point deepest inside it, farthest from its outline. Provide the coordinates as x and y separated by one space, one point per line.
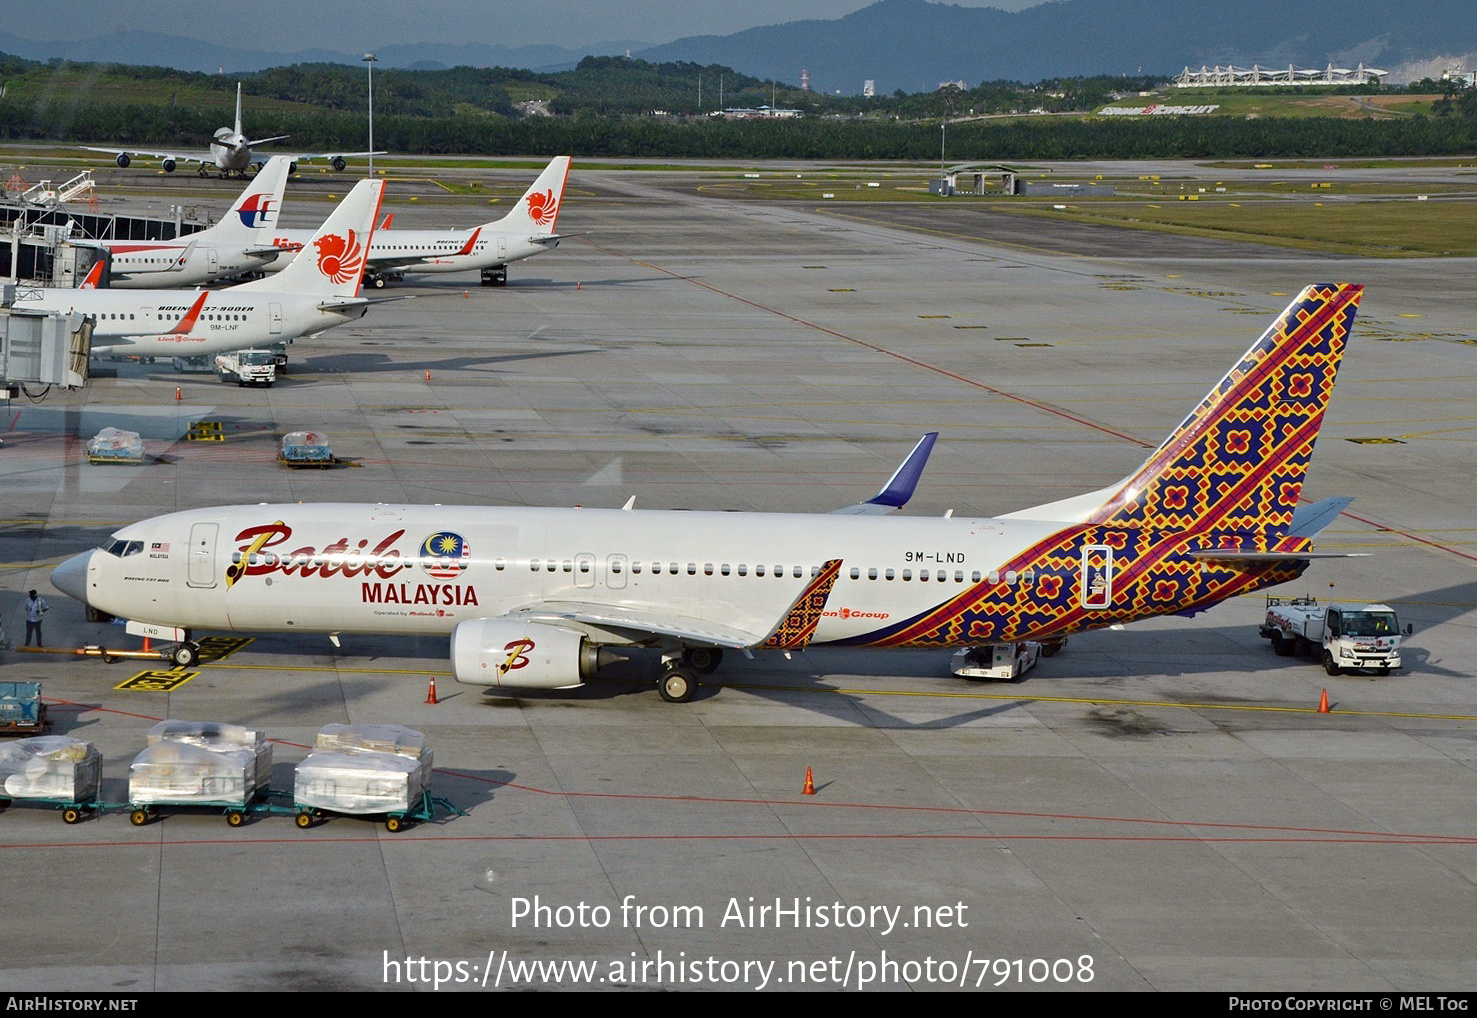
395 739
180 773
359 782
50 767
113 445
218 737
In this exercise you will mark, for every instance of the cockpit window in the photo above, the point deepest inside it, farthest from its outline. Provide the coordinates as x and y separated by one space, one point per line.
123 549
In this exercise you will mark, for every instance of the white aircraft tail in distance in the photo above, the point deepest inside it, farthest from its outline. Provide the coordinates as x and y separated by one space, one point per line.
530 597
240 243
529 228
318 292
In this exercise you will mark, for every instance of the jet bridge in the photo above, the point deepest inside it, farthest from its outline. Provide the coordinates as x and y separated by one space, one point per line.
41 348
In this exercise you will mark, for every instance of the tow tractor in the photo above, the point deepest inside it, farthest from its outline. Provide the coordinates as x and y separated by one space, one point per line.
1350 637
1005 661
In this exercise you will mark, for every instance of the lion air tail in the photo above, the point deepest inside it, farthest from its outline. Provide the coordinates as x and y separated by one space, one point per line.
538 210
332 264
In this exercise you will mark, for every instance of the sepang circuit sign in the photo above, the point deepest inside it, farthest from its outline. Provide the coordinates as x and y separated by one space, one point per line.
1157 110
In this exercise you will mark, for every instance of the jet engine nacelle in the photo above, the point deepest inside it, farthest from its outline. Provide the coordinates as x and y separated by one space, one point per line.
521 655
122 160
338 164
169 166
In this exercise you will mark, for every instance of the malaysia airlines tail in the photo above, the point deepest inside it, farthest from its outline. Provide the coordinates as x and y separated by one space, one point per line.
253 218
332 263
538 210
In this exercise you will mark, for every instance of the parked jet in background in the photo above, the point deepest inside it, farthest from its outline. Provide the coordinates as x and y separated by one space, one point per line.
230 152
239 243
530 596
527 230
315 293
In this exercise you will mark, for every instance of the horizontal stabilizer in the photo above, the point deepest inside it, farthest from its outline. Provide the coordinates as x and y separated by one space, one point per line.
1252 555
1308 520
900 486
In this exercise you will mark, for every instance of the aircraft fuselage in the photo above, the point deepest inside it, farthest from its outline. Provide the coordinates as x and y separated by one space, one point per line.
424 569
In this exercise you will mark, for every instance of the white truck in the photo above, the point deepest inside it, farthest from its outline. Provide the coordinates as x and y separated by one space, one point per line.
247 367
1350 637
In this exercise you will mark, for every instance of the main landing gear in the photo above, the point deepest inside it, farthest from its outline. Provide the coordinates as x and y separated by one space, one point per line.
679 678
495 276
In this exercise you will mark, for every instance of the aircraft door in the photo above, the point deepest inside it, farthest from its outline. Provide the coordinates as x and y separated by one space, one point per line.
502 247
274 308
584 570
615 572
1097 576
202 554
212 260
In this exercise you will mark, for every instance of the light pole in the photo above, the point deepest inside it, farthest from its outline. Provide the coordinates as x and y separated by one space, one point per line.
369 61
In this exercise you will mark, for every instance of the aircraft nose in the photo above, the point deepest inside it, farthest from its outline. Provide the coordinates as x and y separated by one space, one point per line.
71 576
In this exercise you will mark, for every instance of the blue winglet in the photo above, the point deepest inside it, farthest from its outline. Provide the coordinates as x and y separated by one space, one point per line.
901 485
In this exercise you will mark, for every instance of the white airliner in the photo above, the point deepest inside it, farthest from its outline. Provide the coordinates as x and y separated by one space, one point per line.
317 293
230 152
530 596
239 243
527 230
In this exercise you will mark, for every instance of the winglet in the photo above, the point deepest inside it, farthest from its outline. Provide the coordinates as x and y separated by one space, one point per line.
900 486
798 626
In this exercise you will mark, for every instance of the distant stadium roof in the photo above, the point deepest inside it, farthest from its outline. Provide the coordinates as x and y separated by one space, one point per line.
1289 75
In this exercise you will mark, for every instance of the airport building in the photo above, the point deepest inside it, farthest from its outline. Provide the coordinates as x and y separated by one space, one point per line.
1239 77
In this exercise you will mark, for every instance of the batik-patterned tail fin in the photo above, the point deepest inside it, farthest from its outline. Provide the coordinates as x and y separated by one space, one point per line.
1235 467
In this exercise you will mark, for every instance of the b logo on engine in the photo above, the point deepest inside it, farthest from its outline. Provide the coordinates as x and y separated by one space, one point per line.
516 656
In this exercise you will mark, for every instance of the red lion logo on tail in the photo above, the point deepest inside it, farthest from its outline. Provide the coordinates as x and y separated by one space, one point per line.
542 207
338 259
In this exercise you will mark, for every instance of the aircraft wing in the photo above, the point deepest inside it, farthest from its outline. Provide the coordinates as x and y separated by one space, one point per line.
198 157
640 620
308 157
900 486
792 630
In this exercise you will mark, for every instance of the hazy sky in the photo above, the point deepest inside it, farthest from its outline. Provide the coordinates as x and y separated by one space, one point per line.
345 25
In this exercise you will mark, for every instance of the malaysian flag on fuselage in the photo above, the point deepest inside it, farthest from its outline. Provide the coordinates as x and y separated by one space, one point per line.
445 554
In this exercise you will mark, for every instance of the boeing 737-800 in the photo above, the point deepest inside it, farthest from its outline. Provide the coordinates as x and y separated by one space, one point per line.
530 596
527 230
314 294
239 243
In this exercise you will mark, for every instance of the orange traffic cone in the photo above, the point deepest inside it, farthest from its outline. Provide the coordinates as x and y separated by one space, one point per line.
428 374
1323 703
178 395
809 788
431 693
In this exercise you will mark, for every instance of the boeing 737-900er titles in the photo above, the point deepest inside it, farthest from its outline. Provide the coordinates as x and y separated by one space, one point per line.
316 293
527 230
239 243
230 152
529 596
